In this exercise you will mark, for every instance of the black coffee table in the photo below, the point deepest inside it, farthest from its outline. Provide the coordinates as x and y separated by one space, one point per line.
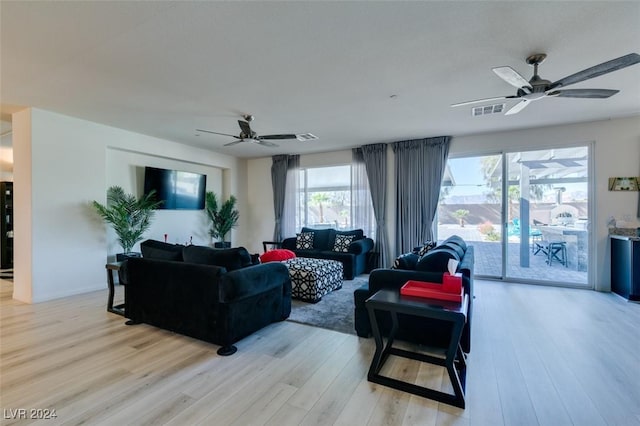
454 360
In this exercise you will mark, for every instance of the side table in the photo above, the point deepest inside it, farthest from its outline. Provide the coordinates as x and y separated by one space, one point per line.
118 309
455 359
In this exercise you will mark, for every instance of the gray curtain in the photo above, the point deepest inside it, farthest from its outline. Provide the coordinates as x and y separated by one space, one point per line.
375 159
282 168
290 221
361 204
420 165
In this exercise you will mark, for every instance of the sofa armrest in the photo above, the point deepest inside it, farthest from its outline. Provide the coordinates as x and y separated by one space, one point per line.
466 264
396 278
253 280
363 245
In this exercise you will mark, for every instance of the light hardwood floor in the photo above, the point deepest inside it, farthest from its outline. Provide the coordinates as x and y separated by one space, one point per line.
540 356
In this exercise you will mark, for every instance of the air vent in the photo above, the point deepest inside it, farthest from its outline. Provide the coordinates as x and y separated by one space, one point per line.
489 109
306 137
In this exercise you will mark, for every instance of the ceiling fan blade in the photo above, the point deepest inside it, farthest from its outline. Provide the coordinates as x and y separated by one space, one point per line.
584 93
512 77
216 133
518 107
264 143
483 100
598 70
244 126
267 137
234 142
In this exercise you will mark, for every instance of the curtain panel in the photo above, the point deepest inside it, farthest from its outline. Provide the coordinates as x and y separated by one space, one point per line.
284 180
374 158
362 213
419 165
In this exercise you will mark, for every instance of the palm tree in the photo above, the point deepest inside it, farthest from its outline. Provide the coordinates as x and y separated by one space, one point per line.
318 198
461 214
129 216
224 217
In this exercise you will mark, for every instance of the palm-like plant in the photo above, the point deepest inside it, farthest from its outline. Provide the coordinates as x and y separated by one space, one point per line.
129 216
224 217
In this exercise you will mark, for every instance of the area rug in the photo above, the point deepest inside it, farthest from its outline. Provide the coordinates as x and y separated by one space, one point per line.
334 311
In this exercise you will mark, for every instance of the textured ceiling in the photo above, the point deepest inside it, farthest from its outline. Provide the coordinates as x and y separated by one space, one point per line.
351 73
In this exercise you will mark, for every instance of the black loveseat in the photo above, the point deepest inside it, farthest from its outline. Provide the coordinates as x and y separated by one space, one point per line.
218 296
429 267
353 258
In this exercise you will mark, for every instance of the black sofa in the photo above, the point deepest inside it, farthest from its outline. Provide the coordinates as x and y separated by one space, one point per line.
354 260
429 267
218 296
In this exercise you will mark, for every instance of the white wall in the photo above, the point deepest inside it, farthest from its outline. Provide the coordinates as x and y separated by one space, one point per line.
22 207
126 169
6 157
61 164
616 153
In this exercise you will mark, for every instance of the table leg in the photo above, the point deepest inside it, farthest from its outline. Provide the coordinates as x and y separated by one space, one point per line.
454 356
119 309
454 362
112 290
376 362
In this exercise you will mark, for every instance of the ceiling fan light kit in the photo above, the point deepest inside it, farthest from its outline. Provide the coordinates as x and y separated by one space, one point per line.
248 135
538 88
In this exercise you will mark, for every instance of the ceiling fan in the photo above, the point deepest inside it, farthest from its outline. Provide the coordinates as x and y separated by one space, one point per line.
538 88
248 135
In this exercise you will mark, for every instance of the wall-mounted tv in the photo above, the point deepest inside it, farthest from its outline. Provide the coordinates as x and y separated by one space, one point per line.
177 190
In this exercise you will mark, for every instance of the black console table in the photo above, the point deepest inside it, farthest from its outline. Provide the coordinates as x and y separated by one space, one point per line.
455 359
118 309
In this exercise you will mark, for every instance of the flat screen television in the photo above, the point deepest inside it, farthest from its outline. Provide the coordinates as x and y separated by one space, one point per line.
177 190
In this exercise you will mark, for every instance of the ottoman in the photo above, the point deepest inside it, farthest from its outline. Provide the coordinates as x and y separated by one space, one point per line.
313 278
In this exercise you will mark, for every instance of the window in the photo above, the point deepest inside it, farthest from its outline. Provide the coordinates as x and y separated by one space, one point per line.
326 199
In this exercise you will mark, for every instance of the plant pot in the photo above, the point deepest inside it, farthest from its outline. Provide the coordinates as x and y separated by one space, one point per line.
222 244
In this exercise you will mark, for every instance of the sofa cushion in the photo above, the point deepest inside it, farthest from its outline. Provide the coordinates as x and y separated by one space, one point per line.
277 255
437 260
304 240
153 249
342 243
406 261
230 259
323 239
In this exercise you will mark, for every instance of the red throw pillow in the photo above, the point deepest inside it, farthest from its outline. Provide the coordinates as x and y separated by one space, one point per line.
276 255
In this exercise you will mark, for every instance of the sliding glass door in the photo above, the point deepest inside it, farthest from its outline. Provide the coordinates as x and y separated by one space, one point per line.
471 206
526 213
548 215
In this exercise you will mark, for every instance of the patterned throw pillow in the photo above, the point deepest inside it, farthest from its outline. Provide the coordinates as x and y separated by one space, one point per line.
428 245
304 241
405 261
343 242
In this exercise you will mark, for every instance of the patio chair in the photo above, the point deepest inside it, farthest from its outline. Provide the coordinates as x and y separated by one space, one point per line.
553 246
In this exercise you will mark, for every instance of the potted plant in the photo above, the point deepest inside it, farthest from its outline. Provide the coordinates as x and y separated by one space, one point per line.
224 217
130 217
